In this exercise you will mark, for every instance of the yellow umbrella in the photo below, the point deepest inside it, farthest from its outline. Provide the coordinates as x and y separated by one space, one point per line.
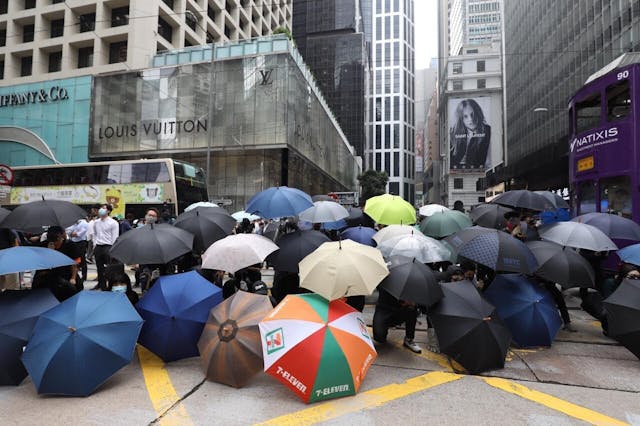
342 268
390 210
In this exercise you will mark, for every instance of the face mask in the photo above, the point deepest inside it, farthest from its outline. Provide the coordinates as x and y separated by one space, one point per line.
102 212
150 219
119 288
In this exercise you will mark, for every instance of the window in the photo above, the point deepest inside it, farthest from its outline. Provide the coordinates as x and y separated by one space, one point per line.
120 16
3 37
458 183
394 188
586 198
457 84
27 33
472 51
190 19
2 69
87 22
57 28
29 4
588 113
26 64
4 5
482 83
56 1
168 3
165 30
618 100
85 57
118 52
457 67
615 196
480 66
55 61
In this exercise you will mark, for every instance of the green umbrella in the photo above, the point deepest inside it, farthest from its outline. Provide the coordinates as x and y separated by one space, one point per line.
389 209
443 224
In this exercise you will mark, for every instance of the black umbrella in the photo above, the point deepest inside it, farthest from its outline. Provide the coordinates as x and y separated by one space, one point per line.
294 247
357 217
614 226
523 199
4 213
20 311
468 328
623 315
556 201
411 280
152 244
36 216
561 265
490 215
207 225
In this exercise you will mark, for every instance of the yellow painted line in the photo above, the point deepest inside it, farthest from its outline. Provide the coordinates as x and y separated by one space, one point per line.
373 398
161 391
552 402
442 360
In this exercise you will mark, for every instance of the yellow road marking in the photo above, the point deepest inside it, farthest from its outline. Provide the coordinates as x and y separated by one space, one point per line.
552 402
161 391
442 360
373 398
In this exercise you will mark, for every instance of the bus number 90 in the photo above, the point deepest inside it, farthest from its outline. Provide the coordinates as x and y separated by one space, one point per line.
623 74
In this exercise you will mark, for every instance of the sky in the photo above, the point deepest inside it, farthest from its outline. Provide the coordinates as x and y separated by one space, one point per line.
426 31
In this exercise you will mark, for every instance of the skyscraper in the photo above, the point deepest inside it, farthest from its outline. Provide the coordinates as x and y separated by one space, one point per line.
391 141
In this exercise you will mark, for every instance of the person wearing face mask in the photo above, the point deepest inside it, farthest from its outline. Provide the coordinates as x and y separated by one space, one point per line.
121 283
105 233
151 216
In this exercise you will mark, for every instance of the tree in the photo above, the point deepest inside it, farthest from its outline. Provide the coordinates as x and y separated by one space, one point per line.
372 183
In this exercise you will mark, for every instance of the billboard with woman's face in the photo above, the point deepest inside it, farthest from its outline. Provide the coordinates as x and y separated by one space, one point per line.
470 134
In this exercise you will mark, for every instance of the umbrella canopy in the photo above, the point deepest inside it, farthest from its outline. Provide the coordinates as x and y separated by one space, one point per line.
469 329
561 265
393 231
577 235
342 268
445 223
207 225
239 215
490 215
360 234
204 204
523 199
279 202
4 213
430 209
235 252
526 308
424 249
28 258
494 249
324 211
20 311
623 315
356 217
37 215
294 247
152 244
335 226
411 280
318 349
230 345
175 310
390 210
630 254
614 226
556 201
79 344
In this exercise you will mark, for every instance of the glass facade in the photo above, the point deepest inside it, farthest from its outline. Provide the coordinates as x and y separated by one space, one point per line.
556 46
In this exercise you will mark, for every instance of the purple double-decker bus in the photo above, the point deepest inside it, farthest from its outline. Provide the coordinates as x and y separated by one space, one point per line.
604 158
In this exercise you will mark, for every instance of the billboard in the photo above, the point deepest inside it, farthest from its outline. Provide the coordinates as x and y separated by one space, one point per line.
470 144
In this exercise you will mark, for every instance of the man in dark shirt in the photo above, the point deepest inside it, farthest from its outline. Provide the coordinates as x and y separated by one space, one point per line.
391 312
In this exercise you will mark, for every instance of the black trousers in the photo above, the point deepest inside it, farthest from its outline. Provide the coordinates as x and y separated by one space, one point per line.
102 257
384 318
559 299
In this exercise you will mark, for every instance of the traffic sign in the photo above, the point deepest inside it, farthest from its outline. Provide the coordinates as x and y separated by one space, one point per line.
6 175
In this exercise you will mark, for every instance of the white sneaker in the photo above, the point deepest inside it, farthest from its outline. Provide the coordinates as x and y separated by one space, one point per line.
413 346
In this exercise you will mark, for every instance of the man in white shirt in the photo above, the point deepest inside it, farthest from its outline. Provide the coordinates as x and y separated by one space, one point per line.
105 232
77 234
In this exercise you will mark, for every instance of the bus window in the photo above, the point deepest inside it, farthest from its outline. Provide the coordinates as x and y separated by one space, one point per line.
588 113
615 195
618 100
587 198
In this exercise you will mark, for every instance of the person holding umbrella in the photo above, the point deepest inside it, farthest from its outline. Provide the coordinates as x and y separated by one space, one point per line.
121 283
391 312
105 232
62 281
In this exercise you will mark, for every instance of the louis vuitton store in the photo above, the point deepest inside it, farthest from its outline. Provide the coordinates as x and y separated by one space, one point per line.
252 117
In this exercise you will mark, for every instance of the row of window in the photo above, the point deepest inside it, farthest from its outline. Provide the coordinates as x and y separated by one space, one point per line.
484 7
481 83
457 66
590 111
392 168
484 19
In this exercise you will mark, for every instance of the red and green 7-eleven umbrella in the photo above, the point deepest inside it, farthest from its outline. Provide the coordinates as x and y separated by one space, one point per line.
318 349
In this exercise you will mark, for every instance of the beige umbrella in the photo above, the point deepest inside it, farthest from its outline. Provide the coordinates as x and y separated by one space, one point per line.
392 231
342 268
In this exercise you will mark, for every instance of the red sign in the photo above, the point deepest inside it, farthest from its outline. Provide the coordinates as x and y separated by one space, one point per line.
6 175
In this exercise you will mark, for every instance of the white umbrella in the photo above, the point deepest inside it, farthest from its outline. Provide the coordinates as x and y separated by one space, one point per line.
393 231
342 268
424 249
202 204
577 235
324 211
430 209
239 215
235 252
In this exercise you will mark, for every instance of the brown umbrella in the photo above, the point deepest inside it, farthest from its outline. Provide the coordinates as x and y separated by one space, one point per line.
230 346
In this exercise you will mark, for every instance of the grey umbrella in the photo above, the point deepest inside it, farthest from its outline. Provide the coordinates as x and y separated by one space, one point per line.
554 199
490 215
152 244
562 265
207 224
577 235
611 224
4 213
522 199
36 216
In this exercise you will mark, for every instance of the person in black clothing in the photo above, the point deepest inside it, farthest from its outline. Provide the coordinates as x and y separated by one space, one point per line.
285 283
391 312
558 298
121 283
217 277
62 281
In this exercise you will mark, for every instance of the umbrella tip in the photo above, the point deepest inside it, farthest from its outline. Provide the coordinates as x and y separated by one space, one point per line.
71 329
486 319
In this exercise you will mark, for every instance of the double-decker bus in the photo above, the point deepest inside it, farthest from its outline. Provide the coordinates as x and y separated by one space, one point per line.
129 186
604 158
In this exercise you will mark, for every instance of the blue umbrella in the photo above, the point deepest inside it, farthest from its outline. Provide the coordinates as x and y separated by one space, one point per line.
630 254
79 344
528 309
360 234
20 311
334 226
25 258
175 311
279 201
